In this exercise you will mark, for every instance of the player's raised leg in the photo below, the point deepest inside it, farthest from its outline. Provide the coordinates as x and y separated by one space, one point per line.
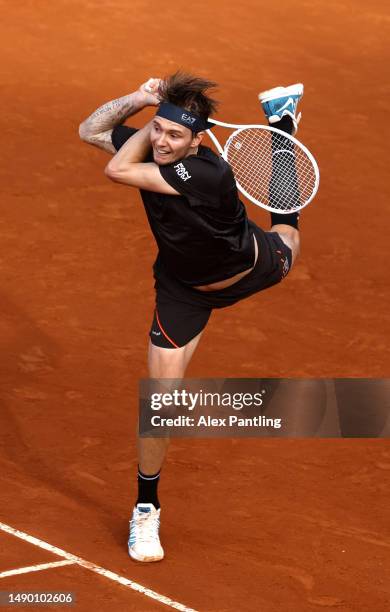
280 107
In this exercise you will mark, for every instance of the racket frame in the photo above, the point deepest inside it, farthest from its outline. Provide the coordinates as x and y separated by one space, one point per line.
239 128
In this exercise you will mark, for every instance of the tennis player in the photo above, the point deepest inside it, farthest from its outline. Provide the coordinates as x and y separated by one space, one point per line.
210 255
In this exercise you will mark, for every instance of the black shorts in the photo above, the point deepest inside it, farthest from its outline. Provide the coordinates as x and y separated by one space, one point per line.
182 312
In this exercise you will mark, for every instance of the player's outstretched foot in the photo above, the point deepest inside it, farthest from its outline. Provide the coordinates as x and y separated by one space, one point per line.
144 542
281 101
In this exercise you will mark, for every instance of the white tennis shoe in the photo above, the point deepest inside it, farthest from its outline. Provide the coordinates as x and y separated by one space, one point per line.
144 542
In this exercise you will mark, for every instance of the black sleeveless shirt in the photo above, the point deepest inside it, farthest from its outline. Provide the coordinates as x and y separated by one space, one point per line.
203 234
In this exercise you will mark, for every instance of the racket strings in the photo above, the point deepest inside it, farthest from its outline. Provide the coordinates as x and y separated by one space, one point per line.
271 168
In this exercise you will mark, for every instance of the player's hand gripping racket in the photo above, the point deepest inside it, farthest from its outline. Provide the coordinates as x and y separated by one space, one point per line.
272 169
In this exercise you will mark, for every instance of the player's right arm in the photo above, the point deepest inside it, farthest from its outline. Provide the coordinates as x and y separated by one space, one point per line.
97 128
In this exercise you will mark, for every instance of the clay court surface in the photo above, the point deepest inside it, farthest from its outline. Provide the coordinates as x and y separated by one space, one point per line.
247 525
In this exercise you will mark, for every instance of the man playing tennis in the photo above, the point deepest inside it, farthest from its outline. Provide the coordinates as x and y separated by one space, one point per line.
210 255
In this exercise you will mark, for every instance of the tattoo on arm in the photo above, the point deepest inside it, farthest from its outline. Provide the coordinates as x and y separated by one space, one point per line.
120 108
102 141
97 128
112 113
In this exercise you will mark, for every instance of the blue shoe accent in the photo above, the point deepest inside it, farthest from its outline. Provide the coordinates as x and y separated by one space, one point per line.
281 101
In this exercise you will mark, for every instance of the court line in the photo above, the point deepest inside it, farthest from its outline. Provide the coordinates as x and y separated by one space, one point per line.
35 568
96 568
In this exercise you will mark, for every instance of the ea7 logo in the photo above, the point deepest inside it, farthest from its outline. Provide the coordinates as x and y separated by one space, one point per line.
182 172
188 119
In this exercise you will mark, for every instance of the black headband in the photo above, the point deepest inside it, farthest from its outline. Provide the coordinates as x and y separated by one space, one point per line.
183 117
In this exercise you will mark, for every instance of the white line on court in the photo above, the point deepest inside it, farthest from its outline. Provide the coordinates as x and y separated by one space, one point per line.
96 568
35 568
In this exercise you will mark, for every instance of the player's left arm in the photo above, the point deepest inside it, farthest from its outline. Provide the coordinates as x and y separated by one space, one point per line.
127 165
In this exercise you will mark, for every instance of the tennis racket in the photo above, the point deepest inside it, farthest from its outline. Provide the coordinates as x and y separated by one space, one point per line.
271 168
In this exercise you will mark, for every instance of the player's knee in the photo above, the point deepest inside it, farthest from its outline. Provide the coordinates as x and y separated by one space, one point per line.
295 246
295 239
291 237
166 362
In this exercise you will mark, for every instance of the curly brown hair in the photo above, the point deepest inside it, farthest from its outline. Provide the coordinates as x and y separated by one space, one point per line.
188 92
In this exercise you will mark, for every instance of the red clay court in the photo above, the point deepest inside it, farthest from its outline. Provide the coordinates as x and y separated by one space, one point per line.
247 525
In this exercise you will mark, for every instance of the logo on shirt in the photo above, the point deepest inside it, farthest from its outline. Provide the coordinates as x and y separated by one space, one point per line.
182 172
188 119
